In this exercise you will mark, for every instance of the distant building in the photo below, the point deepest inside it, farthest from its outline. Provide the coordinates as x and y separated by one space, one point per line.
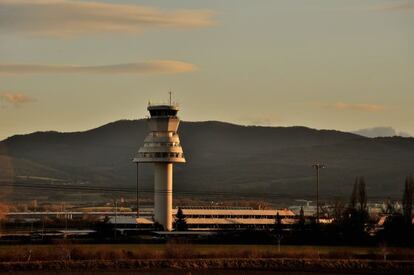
217 219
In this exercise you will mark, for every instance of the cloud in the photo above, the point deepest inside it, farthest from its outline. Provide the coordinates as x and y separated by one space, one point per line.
400 6
15 98
358 107
262 120
65 18
150 67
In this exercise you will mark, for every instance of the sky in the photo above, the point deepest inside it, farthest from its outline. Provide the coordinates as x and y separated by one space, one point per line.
327 64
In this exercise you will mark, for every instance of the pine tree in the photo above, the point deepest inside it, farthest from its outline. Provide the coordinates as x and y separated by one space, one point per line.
180 220
357 212
278 223
362 195
301 217
278 219
354 194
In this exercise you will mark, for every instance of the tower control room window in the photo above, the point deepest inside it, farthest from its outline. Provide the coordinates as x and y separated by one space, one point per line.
166 112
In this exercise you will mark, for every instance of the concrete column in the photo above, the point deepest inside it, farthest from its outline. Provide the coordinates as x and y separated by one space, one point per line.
163 180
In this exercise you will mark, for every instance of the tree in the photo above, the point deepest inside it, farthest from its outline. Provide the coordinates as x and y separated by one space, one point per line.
278 223
362 195
180 220
407 200
278 229
338 210
158 227
354 194
356 215
301 217
389 208
398 225
358 202
278 220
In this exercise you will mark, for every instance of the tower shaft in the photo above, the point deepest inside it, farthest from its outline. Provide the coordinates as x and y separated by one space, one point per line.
163 188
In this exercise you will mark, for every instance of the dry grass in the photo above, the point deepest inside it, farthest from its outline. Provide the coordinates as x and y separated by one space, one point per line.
64 251
203 257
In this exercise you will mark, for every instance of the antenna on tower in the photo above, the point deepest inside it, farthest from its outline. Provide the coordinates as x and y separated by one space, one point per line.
170 96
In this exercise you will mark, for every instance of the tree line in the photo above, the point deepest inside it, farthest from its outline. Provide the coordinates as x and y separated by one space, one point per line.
351 224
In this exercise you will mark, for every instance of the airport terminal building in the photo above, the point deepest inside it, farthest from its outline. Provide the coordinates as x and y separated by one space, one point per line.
212 218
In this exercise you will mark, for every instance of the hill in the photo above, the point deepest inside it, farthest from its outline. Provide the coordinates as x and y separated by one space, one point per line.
220 157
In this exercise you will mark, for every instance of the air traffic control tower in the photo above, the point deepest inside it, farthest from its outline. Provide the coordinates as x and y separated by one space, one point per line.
162 147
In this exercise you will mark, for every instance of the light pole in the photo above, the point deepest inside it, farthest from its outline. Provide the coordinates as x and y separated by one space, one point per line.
317 167
137 191
116 217
66 217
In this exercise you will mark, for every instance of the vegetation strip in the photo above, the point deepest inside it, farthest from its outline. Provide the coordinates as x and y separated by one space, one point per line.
191 264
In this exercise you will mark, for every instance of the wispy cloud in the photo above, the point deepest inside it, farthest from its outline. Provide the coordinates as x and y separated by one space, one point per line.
151 67
358 107
65 18
395 6
262 120
15 98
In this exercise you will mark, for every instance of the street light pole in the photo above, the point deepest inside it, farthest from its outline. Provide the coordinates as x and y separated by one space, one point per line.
317 167
116 218
137 191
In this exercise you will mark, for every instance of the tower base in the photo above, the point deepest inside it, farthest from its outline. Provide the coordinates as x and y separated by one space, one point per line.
163 180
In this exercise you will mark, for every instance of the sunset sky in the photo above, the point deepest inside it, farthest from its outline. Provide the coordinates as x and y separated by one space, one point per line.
333 64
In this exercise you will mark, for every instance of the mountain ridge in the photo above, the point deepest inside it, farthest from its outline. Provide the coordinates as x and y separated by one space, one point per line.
221 157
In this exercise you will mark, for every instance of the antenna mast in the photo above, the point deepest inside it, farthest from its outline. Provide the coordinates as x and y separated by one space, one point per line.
170 96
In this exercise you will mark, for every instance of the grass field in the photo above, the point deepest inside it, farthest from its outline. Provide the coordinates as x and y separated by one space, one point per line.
65 251
178 272
228 259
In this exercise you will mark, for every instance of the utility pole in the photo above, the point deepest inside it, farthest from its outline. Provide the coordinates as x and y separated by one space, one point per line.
66 217
116 217
137 191
43 225
317 167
